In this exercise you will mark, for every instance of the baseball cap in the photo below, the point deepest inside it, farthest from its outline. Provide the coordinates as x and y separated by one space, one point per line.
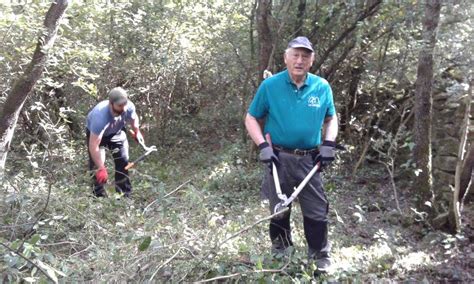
118 96
301 42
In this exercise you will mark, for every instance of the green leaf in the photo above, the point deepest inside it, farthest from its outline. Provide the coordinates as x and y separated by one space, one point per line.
34 239
145 244
49 270
259 264
30 279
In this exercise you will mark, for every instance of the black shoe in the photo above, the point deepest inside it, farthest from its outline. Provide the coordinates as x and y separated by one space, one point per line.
323 265
98 191
99 194
279 252
281 248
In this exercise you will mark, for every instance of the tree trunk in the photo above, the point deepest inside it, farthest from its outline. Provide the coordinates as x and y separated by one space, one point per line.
251 37
249 72
466 180
424 104
462 179
300 18
265 42
23 86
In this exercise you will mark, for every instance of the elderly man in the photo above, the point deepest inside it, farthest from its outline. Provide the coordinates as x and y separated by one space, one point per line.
106 128
296 105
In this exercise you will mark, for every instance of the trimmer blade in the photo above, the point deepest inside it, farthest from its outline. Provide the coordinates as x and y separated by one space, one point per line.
278 208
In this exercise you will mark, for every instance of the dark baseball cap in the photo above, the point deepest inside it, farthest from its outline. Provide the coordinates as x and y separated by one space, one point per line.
301 42
118 96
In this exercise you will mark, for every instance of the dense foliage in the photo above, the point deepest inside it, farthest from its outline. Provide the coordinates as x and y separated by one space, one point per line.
191 68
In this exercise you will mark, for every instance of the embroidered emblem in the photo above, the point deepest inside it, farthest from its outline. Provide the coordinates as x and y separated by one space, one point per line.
314 102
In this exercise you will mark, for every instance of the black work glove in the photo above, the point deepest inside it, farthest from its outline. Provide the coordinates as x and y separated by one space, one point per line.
326 154
266 154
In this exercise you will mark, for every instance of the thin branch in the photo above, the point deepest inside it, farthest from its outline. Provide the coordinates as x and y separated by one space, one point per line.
454 215
281 270
389 167
178 188
165 263
168 194
13 22
29 261
367 13
245 229
81 251
38 218
277 36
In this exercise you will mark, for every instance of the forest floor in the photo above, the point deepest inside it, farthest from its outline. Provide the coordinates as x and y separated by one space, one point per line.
195 216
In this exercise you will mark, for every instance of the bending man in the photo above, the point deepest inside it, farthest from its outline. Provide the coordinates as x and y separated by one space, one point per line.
106 128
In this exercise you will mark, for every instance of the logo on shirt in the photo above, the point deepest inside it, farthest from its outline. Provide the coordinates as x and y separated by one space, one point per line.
314 102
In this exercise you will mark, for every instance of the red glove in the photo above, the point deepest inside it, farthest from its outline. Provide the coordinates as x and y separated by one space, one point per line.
101 175
136 136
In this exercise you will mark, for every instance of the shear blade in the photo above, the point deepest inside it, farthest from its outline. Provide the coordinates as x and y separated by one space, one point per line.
278 208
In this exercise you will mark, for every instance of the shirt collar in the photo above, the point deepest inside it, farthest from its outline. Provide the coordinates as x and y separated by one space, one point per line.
289 81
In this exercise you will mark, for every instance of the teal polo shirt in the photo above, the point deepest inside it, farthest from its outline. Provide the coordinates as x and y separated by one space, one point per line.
295 116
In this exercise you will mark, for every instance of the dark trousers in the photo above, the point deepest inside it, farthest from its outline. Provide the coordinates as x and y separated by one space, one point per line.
118 145
314 204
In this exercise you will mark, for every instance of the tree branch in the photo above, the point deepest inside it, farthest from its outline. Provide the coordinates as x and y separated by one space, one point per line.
367 13
28 260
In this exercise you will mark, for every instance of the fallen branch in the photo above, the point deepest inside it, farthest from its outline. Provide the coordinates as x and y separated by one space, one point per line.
178 188
38 218
168 194
280 270
164 263
81 251
29 261
251 226
91 220
245 229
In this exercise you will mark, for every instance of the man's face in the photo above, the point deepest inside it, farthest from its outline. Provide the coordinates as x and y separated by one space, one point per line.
298 61
118 109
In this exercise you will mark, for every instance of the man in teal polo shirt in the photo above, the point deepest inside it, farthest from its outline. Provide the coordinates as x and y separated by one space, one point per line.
296 105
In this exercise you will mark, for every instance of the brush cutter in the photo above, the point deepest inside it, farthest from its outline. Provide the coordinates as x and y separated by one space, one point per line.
148 151
285 201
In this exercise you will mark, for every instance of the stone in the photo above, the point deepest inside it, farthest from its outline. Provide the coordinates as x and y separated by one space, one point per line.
407 221
438 106
358 217
470 136
447 112
432 238
375 207
446 147
441 133
393 217
442 177
452 130
446 272
440 96
445 163
453 105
